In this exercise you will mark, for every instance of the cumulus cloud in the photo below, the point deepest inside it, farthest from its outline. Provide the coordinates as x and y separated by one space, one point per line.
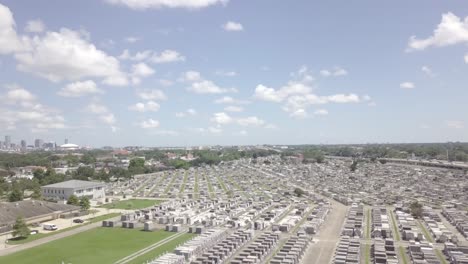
9 40
221 118
450 31
226 73
407 85
56 56
188 112
157 4
167 56
337 71
102 112
149 106
139 71
35 26
250 121
131 39
201 86
297 95
230 100
153 94
232 26
79 89
67 55
150 123
233 108
24 110
428 71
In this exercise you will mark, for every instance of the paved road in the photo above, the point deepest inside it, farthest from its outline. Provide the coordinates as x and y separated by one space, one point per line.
48 239
321 252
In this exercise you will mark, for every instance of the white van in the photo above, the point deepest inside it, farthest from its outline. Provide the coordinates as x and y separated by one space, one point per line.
48 226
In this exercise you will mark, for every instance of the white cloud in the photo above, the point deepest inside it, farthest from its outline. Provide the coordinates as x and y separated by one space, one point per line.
221 118
156 4
102 112
28 113
321 112
188 112
79 89
250 121
202 86
297 94
466 58
140 70
233 26
150 123
167 56
299 113
9 41
457 124
428 71
165 82
233 108
18 94
337 71
153 94
230 100
149 106
131 39
67 55
325 73
35 26
451 30
226 73
407 85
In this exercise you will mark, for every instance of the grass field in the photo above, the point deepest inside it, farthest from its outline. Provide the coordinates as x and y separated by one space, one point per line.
42 235
167 247
403 255
132 204
99 245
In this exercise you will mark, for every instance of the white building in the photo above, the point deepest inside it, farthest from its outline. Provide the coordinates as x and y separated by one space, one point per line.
63 190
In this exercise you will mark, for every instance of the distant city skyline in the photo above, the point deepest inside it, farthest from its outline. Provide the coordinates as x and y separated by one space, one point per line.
148 73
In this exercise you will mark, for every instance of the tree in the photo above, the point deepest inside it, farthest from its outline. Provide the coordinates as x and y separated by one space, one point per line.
20 229
37 194
416 209
299 192
84 203
353 166
73 200
15 195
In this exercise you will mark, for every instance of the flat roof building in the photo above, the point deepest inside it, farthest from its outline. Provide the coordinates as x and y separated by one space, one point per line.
63 190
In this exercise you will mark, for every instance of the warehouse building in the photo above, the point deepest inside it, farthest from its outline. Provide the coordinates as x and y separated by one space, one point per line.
63 190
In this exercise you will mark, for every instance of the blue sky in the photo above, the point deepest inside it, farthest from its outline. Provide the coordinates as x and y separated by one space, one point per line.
205 72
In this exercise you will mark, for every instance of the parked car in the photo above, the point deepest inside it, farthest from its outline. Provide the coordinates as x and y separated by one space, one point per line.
78 221
33 232
48 226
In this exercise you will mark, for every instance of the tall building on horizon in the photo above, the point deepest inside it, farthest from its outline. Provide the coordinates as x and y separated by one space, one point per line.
23 144
38 143
7 142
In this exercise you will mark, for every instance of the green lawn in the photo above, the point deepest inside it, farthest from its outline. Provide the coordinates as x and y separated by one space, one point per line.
396 232
42 235
132 204
403 255
368 224
99 245
210 187
195 188
182 187
167 247
426 233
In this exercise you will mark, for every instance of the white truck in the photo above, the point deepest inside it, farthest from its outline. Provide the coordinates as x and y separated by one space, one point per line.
49 226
